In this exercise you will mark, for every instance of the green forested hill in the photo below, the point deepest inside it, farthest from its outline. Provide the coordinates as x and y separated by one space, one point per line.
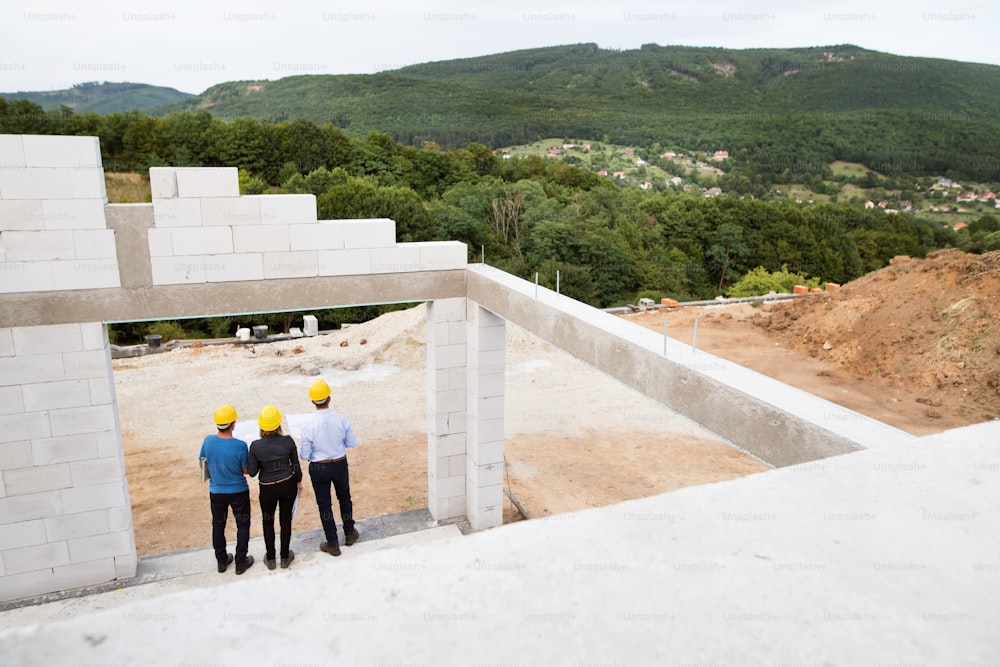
785 107
103 98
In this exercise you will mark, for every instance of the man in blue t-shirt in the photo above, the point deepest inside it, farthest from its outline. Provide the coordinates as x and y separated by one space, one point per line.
226 459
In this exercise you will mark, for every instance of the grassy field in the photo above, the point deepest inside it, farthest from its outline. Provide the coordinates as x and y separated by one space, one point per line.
127 188
848 169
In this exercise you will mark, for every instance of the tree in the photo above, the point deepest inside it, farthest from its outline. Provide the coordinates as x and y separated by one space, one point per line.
727 249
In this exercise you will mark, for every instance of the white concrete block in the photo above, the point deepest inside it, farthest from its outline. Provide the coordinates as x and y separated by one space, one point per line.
92 419
487 452
485 408
345 262
27 584
374 233
447 423
446 310
163 182
22 214
26 369
202 240
449 487
304 264
401 259
447 356
99 496
36 184
32 506
161 241
25 277
6 341
99 546
441 255
97 471
178 270
64 449
88 184
37 479
232 268
61 151
35 557
37 246
109 444
72 526
74 214
101 391
177 213
51 395
85 274
78 575
448 401
11 401
446 379
208 182
22 534
119 519
485 362
95 244
487 517
317 236
485 475
125 566
481 317
87 364
457 333
488 385
11 151
451 444
15 455
95 335
24 426
261 238
487 338
310 325
287 209
230 211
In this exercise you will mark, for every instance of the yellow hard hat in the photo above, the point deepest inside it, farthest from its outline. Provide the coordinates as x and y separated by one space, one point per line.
319 391
269 418
225 415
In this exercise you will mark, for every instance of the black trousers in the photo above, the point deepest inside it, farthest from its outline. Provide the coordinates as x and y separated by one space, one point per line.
280 496
240 504
322 475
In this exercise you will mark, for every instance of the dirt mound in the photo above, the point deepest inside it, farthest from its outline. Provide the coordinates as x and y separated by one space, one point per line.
930 325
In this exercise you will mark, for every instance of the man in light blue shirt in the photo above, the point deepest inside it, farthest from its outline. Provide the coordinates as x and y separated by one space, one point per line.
226 459
325 437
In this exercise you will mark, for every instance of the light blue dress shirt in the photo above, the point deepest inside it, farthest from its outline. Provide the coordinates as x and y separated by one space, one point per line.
326 435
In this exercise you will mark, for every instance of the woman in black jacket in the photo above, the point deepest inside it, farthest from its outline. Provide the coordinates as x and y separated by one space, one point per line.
276 458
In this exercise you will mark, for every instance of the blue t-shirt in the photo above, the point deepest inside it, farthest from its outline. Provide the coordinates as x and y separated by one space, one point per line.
227 457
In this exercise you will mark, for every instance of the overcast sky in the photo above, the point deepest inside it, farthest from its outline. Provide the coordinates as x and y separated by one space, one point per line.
192 45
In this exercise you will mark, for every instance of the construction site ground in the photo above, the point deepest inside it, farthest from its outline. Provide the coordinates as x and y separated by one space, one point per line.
916 345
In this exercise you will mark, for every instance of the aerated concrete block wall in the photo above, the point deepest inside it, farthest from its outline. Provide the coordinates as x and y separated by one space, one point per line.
65 517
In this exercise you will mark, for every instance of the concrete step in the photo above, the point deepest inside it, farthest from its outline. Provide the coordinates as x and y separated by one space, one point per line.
162 574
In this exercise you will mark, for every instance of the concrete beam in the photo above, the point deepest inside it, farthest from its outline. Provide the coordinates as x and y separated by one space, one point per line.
214 299
777 423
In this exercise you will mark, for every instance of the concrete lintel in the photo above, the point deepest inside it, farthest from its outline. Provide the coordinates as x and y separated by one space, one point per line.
777 423
212 299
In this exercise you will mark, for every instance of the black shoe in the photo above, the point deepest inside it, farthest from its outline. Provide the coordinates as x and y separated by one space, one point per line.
332 549
223 564
271 564
245 565
351 537
285 562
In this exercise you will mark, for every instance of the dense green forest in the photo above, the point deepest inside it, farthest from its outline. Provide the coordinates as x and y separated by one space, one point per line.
611 243
104 97
781 109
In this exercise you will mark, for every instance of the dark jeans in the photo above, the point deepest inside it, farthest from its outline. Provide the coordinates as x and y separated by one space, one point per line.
272 496
221 502
322 475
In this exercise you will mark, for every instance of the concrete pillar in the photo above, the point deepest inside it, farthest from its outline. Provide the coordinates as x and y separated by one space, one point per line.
446 387
65 516
484 450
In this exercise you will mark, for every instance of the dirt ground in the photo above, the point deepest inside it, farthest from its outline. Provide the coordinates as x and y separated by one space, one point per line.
916 345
